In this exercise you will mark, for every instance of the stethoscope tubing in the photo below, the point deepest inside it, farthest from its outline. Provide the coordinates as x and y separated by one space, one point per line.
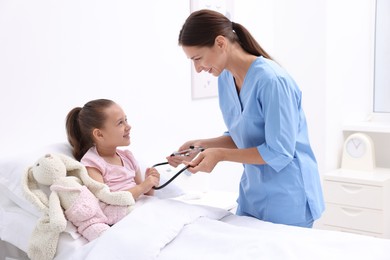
172 178
182 153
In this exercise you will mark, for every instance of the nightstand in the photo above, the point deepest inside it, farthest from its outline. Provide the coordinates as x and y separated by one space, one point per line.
358 201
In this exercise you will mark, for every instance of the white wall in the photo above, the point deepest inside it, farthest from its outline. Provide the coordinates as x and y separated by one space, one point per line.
55 55
349 70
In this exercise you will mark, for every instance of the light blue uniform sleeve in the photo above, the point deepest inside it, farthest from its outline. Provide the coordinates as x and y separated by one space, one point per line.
280 108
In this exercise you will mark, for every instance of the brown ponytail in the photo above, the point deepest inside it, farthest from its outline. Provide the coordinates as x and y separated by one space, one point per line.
80 123
203 26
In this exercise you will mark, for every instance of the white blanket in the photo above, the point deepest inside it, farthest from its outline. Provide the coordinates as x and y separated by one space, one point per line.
169 229
146 230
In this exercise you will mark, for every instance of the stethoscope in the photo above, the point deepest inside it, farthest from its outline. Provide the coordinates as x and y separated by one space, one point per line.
187 152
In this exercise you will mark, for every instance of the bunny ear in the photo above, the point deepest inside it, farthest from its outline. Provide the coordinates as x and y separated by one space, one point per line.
70 163
74 168
33 192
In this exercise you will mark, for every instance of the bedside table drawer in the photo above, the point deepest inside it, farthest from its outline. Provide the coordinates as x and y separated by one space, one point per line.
348 230
354 218
352 194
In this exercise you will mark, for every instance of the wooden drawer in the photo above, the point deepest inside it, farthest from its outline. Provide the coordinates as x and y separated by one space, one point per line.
354 218
352 194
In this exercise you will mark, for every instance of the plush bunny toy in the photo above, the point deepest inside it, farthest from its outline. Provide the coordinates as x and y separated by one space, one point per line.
72 195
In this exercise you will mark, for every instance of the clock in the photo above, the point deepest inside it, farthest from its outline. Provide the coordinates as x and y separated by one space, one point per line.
358 153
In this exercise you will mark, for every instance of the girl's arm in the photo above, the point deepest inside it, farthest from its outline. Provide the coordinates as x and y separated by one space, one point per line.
142 187
152 178
95 174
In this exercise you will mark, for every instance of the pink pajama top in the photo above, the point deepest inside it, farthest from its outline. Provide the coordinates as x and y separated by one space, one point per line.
115 176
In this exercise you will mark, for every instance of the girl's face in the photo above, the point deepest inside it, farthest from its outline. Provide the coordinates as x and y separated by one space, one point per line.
116 130
208 59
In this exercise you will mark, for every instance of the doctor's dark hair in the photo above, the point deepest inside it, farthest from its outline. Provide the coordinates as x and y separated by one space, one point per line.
203 26
80 123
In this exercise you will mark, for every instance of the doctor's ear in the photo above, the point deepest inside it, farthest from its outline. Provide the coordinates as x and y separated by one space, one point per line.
220 41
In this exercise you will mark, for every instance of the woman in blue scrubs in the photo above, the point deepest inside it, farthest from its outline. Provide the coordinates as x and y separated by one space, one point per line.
267 132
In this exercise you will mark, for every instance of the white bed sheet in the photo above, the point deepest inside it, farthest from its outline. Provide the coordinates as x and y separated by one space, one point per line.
163 228
170 229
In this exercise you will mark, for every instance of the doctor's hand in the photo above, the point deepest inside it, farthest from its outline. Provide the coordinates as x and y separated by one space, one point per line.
175 160
205 161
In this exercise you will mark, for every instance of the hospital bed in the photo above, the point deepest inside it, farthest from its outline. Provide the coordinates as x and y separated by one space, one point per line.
172 225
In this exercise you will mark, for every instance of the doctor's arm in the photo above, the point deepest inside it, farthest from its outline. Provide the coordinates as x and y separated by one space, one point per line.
224 141
208 159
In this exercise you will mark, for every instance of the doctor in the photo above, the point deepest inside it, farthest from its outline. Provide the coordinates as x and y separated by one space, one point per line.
267 130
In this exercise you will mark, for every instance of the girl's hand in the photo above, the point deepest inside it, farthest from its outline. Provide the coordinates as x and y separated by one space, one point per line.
152 178
151 171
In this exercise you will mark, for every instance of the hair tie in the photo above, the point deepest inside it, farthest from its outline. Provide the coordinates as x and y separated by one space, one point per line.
233 24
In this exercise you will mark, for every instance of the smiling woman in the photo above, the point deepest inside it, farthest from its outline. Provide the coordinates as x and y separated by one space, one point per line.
266 129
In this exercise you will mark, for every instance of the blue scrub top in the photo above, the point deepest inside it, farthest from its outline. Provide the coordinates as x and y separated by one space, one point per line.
267 114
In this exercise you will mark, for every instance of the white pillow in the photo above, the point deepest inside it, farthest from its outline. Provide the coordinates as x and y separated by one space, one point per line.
13 168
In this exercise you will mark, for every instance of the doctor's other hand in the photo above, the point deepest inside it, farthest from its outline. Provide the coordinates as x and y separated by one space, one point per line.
176 158
204 161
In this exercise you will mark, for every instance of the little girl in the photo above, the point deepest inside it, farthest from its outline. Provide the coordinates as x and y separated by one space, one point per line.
95 131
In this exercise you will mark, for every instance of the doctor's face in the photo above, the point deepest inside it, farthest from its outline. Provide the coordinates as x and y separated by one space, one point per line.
208 59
